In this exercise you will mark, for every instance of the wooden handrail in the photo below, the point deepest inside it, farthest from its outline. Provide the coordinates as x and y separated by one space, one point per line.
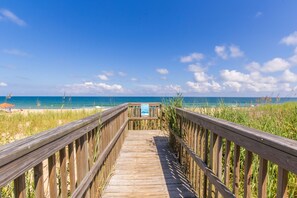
202 142
280 150
77 137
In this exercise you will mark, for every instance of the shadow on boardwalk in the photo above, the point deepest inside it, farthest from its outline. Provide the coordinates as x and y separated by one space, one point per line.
177 184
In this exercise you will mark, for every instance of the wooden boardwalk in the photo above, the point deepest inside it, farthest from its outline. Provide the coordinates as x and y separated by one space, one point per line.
146 168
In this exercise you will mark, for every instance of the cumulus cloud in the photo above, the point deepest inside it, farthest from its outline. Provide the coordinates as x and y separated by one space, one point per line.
103 77
195 68
221 51
192 57
93 88
162 71
3 84
204 87
290 39
289 76
7 15
202 81
276 64
253 81
225 52
235 51
159 89
108 73
134 79
15 52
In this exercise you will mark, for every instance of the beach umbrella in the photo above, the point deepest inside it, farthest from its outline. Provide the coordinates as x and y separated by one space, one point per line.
6 105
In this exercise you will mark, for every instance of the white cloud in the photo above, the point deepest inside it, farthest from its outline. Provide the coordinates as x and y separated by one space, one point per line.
195 68
159 89
225 52
221 51
122 74
134 79
192 57
202 82
289 76
276 64
235 51
162 71
108 73
204 87
2 84
233 75
253 66
201 76
291 39
10 16
103 77
93 88
15 52
254 81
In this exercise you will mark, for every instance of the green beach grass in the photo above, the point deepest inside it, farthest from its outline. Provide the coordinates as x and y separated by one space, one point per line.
18 125
277 119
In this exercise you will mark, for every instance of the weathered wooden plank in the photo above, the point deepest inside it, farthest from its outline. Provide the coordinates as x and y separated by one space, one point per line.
38 181
63 173
71 167
140 176
271 147
207 171
236 171
52 176
227 163
12 151
81 189
282 181
20 187
248 174
262 181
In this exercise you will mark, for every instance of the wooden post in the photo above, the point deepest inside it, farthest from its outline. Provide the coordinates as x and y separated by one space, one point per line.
282 181
52 176
262 181
248 174
71 167
236 172
63 173
20 187
38 180
227 163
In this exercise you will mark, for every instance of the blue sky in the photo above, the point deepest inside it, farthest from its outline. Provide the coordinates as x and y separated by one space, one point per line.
148 47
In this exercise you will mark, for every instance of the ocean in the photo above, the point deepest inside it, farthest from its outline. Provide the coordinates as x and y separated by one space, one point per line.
75 102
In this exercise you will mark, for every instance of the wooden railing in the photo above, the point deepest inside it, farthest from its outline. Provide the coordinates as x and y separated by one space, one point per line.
72 160
221 158
138 122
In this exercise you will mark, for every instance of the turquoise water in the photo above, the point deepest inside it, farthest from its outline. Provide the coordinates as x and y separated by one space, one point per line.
57 102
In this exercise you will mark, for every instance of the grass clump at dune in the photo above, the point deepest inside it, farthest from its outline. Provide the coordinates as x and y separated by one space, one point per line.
277 119
17 125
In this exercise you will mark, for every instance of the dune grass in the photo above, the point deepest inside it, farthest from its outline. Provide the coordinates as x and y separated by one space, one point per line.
17 125
277 119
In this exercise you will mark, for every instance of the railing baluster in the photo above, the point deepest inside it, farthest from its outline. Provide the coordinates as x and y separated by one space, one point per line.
236 172
205 153
71 167
63 172
38 180
20 187
262 181
52 176
227 163
282 181
248 173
